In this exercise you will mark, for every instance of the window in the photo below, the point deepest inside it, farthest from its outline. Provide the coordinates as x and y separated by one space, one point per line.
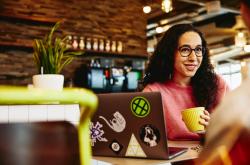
231 73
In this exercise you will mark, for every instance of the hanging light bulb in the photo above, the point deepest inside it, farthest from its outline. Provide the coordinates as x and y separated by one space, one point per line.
240 39
146 9
167 5
159 29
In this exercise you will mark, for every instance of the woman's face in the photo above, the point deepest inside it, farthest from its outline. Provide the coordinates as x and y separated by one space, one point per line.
187 61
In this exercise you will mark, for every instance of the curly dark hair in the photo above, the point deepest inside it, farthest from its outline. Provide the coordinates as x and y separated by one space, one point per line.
161 66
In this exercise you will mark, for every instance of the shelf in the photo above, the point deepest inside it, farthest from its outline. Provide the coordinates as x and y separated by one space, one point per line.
28 46
93 53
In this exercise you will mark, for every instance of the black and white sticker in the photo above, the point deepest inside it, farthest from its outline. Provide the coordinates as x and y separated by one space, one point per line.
149 135
115 146
117 123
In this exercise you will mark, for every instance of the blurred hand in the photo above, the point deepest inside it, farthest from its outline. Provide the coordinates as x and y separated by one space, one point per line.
205 118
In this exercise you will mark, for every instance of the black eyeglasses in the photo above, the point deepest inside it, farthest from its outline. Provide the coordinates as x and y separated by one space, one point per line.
186 50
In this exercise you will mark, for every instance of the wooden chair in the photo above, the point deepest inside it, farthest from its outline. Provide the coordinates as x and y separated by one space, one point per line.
85 98
39 143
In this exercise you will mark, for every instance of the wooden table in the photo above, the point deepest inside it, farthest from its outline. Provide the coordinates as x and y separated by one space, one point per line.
190 154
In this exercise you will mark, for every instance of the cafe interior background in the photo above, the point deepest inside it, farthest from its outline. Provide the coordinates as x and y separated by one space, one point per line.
117 37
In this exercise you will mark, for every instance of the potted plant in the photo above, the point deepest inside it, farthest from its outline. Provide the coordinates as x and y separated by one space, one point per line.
51 55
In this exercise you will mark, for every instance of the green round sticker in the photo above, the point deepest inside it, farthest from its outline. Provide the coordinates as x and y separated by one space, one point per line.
140 106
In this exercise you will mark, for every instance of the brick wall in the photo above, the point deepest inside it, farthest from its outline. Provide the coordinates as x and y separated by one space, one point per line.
22 21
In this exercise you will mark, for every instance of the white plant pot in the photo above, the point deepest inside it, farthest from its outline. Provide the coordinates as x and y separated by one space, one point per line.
48 81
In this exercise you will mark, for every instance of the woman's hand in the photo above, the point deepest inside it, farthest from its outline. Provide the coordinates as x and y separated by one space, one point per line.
205 118
204 121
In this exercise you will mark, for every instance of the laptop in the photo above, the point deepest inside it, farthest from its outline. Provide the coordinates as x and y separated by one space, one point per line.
131 125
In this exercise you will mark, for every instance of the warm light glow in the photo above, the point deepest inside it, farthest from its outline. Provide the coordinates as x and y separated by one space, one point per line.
240 39
159 30
240 34
243 63
146 9
212 62
167 6
247 48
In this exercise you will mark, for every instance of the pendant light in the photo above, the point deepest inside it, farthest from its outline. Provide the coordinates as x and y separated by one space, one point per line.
167 6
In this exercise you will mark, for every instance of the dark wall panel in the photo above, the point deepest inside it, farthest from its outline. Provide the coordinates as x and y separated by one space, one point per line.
21 21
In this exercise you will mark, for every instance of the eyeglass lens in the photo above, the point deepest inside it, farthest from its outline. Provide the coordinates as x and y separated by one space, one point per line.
186 51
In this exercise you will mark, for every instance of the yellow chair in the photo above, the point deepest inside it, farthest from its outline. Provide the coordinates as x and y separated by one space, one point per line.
85 98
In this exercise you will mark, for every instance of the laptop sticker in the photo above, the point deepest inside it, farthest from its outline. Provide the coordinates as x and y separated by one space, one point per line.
150 135
134 149
140 106
115 146
96 133
118 123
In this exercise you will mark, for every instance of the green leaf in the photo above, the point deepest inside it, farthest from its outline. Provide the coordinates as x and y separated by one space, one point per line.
52 53
66 62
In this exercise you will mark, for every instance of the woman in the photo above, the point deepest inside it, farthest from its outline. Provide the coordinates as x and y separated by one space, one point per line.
181 70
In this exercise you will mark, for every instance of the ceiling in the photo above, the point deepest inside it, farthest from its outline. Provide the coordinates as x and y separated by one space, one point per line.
219 26
185 6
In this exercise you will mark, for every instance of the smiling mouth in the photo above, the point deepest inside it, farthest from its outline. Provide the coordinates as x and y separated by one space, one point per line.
190 67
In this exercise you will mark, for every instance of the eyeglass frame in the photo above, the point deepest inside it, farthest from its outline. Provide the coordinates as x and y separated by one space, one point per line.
202 50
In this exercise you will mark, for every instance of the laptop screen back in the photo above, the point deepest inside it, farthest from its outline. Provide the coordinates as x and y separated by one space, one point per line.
129 125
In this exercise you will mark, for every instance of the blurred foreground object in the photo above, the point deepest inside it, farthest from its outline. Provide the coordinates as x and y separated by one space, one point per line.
227 137
85 98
